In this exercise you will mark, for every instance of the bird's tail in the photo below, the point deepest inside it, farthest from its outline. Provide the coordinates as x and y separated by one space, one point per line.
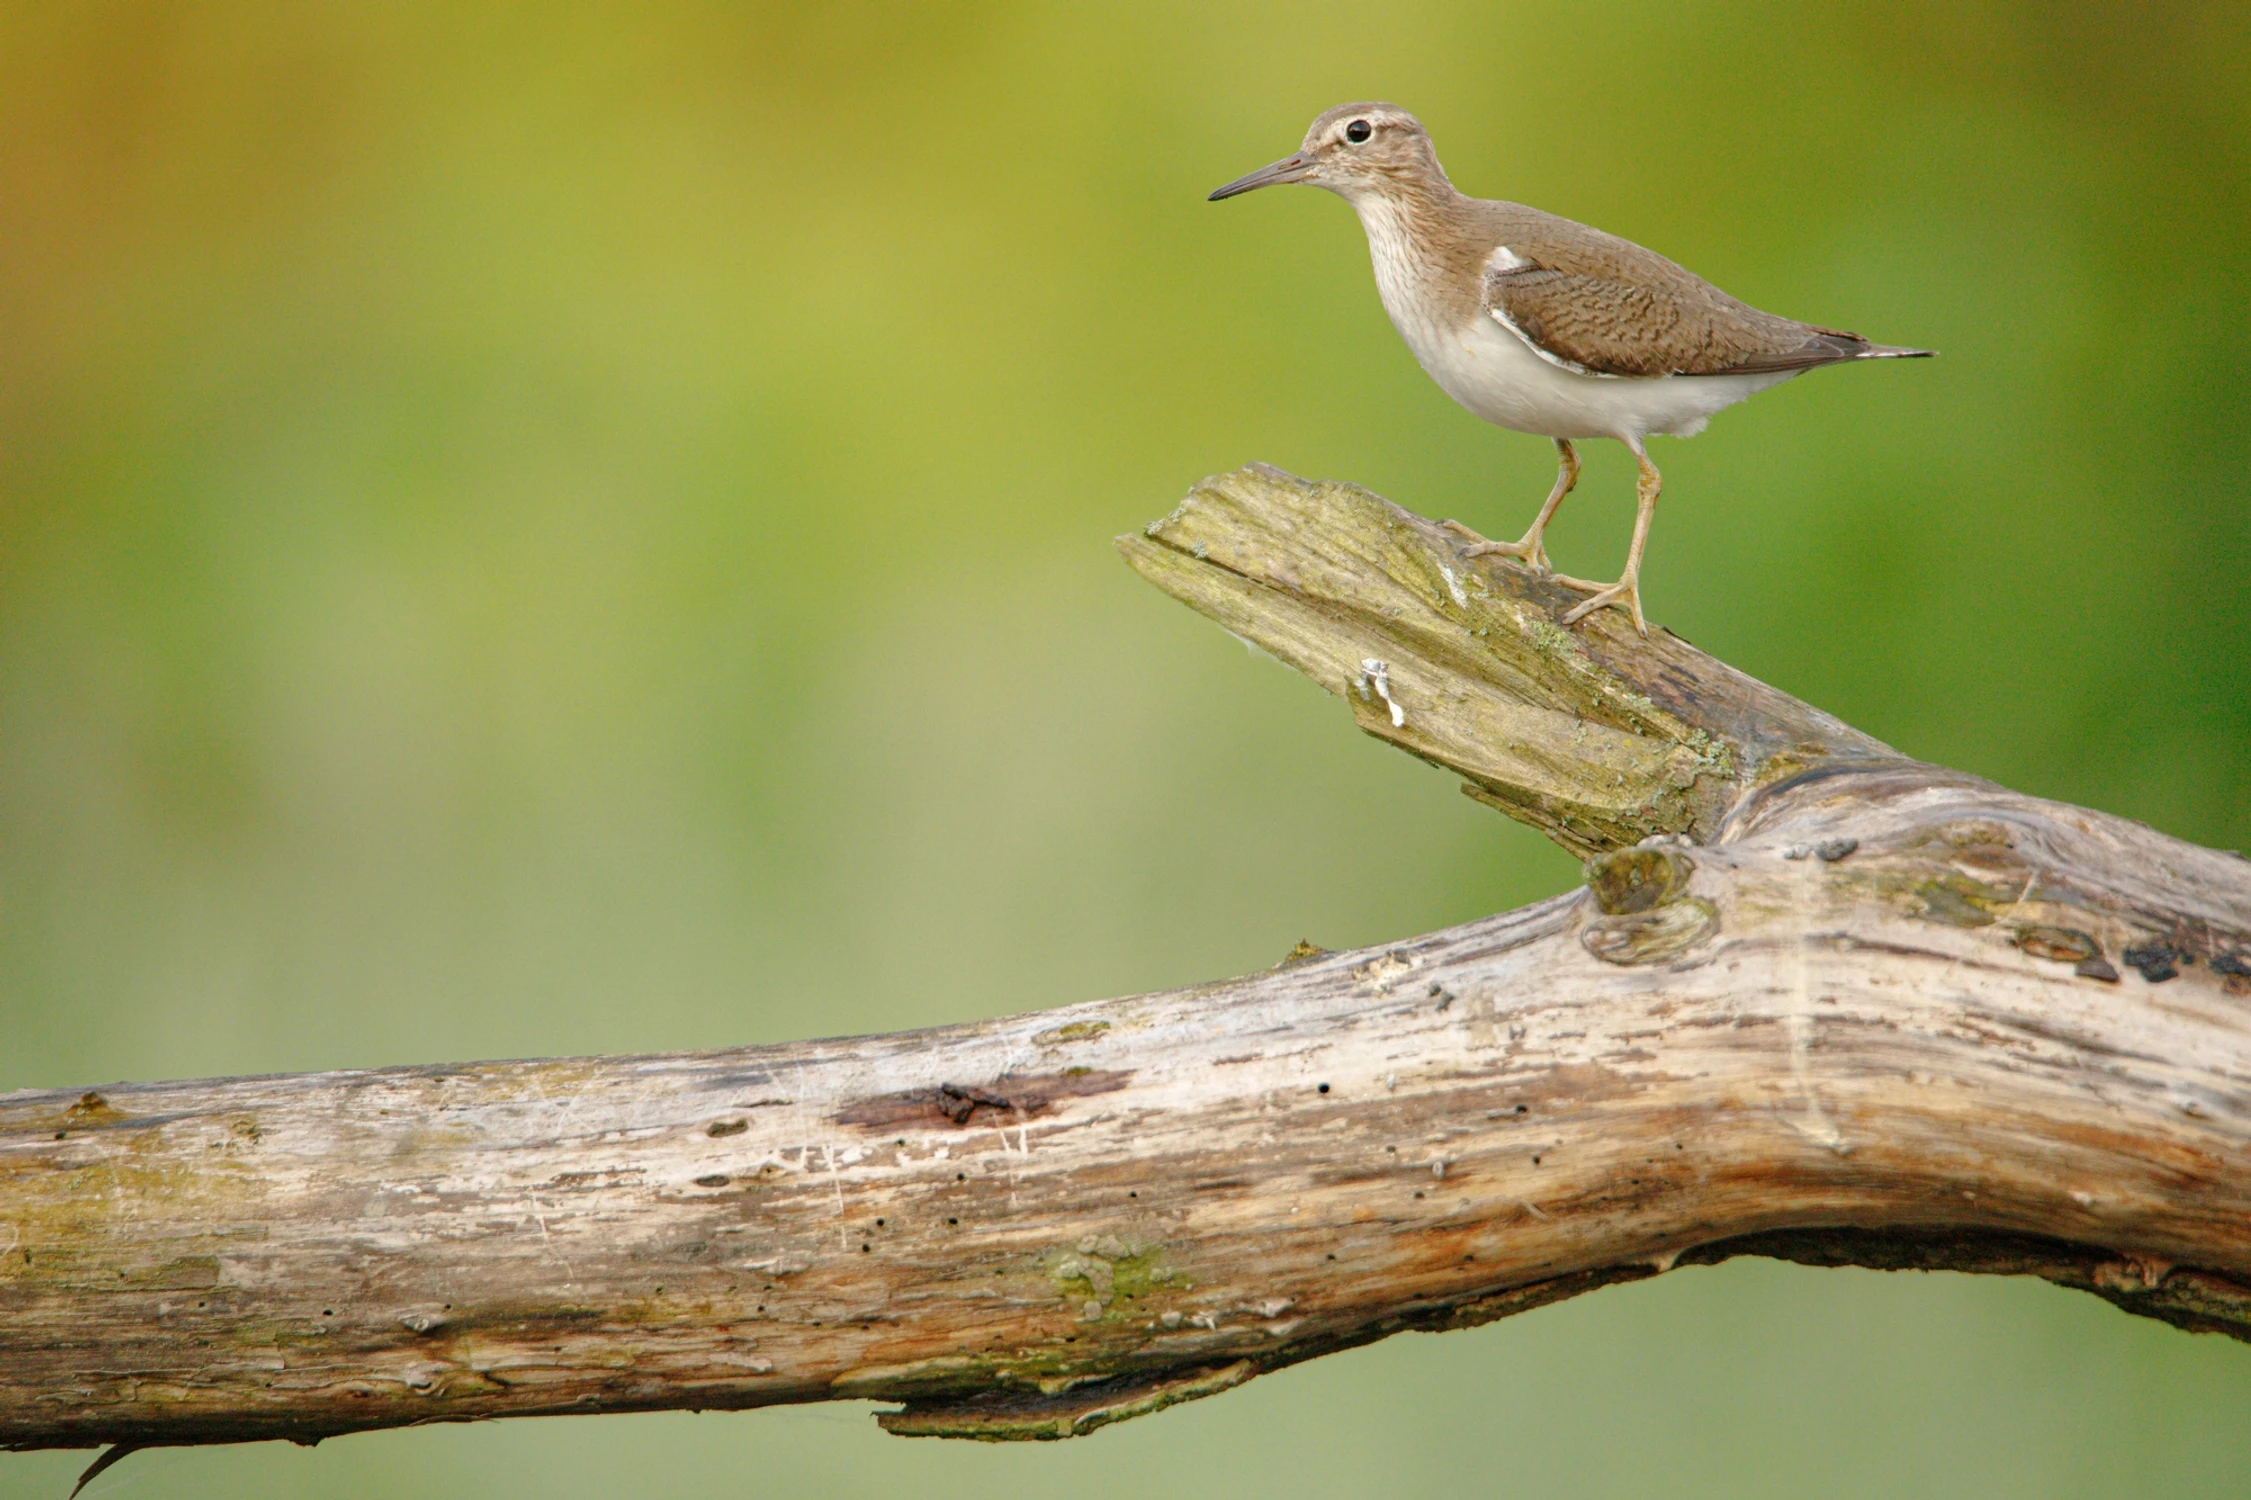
1894 351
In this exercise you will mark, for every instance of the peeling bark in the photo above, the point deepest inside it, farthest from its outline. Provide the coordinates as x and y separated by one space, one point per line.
1816 1001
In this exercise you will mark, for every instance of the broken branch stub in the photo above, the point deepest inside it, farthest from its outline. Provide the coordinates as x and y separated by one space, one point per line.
1593 735
1843 1009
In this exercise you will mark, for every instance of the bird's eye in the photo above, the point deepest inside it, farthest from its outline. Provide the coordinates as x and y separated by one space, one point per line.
1358 131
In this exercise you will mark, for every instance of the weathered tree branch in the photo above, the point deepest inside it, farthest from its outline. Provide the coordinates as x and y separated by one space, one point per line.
1818 1001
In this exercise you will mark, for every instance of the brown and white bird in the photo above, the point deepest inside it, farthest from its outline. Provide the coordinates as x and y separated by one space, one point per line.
1542 325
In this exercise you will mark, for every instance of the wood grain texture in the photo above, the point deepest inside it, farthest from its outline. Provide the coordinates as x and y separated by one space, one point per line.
1875 1013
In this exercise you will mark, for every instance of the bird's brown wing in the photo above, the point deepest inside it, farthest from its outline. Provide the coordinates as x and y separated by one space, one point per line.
1605 306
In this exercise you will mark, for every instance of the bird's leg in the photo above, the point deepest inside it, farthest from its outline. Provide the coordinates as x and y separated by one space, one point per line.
1626 592
1529 549
1566 477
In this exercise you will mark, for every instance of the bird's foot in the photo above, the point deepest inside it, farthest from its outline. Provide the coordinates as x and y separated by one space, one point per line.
1624 594
1529 551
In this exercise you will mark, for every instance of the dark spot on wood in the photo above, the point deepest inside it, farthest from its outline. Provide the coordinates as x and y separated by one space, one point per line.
958 1104
1324 1088
727 1127
1442 995
2096 968
2234 965
715 1180
2156 962
1022 1097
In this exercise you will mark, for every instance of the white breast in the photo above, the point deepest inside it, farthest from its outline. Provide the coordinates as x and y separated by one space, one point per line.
1489 368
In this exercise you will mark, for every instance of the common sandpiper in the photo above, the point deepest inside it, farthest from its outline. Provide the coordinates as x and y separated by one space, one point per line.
1543 325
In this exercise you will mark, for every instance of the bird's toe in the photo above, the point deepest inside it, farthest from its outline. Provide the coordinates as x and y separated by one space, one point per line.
1625 595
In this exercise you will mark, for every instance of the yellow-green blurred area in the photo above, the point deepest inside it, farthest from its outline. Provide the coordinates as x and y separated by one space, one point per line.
534 529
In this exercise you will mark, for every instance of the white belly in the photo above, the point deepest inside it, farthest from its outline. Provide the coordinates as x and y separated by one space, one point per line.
1497 375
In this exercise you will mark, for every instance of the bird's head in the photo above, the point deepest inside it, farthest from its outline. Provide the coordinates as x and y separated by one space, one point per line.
1355 151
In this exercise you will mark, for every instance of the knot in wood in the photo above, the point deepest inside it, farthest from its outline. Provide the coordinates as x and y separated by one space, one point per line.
1638 879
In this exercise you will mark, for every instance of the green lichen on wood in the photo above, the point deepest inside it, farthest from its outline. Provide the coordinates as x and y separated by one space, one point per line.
1076 1031
1591 734
1118 1280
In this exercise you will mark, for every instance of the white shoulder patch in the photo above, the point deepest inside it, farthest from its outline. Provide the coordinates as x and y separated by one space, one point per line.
1504 259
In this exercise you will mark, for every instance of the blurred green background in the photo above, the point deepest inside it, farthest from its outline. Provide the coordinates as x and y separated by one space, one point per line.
557 529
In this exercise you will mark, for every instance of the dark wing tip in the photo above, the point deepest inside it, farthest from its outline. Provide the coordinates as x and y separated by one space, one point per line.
1836 343
1825 346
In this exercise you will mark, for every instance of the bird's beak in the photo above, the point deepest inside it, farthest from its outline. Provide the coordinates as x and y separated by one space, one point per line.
1293 168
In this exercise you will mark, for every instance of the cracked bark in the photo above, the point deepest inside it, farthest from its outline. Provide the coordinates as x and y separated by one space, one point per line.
1817 1001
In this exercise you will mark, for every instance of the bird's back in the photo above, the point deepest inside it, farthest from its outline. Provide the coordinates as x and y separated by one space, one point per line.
1602 304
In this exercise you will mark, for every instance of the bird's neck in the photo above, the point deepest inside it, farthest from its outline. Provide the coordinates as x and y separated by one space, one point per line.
1408 227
